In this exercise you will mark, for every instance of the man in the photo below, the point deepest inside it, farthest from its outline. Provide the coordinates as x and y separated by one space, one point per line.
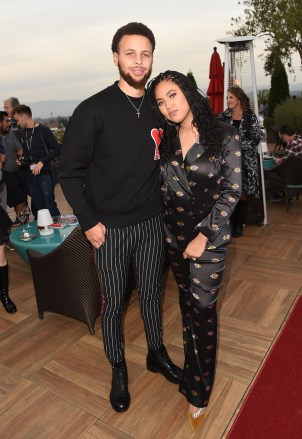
3 192
9 105
110 177
39 148
16 192
293 147
13 140
5 224
293 143
2 149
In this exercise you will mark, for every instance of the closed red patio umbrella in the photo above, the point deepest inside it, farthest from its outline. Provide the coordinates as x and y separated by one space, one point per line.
215 89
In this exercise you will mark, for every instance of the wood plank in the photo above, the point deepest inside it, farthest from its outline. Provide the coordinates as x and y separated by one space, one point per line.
32 343
55 378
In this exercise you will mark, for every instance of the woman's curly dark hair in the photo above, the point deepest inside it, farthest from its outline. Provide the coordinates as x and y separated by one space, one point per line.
203 117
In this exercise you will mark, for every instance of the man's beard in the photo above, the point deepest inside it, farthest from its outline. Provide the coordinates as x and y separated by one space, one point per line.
133 82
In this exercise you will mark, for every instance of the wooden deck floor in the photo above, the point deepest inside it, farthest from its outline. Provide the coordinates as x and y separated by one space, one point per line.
55 379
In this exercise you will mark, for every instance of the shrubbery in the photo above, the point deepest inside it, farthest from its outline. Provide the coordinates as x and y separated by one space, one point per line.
289 112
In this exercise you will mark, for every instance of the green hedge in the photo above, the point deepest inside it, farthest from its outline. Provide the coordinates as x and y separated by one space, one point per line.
289 113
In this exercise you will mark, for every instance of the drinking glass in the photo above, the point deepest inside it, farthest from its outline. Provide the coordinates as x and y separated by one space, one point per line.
22 215
27 212
63 221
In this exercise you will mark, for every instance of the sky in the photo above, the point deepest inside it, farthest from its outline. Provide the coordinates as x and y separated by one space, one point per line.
60 49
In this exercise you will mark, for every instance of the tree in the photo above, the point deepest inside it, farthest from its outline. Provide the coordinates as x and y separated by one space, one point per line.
191 76
279 90
279 20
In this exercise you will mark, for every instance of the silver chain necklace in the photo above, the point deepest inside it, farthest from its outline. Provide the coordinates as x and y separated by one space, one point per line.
137 109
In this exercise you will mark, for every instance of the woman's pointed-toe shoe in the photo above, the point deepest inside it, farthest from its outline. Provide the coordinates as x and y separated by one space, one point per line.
197 418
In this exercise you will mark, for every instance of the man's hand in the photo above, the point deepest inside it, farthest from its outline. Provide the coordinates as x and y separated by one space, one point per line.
196 247
96 235
37 168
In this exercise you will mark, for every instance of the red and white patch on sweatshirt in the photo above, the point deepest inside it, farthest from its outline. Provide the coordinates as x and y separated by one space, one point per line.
156 136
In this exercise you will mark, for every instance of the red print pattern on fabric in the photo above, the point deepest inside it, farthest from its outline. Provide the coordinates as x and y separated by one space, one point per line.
156 136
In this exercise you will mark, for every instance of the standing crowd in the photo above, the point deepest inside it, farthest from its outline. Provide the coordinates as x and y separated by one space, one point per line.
26 150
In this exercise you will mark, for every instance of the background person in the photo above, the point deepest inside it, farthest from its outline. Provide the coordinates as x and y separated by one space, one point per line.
263 109
240 115
293 143
3 193
16 192
201 184
9 105
13 140
110 177
5 224
39 147
293 147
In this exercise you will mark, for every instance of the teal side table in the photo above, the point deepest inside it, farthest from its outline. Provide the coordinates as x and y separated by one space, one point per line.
42 244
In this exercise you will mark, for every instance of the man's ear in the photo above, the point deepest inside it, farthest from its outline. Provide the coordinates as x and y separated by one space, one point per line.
115 58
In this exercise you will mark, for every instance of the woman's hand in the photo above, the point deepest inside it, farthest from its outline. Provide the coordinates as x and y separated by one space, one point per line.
96 235
196 247
37 168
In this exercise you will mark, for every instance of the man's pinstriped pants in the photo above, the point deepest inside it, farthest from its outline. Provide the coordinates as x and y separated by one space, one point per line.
143 246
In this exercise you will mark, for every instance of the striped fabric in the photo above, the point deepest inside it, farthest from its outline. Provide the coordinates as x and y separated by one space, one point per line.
143 246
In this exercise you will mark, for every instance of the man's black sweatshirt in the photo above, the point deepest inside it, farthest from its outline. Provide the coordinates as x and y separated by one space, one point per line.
109 168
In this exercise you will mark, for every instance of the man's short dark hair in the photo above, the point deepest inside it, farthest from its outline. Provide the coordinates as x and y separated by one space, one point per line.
286 129
22 109
3 114
132 29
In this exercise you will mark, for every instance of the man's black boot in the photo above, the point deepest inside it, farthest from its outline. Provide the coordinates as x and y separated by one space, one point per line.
159 361
119 395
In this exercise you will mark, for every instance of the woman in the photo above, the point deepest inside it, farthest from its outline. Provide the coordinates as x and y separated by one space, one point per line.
201 184
5 224
240 115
